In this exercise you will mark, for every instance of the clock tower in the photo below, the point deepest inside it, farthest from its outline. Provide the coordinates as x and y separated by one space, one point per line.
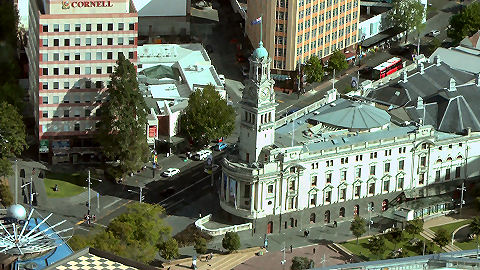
257 128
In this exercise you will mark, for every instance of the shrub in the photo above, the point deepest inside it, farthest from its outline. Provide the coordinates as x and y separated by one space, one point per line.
231 241
300 263
189 234
200 245
169 249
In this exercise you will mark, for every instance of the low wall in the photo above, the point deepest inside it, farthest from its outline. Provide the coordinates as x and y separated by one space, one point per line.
220 231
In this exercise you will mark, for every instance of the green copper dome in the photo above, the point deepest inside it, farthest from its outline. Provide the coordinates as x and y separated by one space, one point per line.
260 52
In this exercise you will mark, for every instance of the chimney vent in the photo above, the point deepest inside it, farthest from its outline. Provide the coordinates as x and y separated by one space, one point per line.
453 86
437 60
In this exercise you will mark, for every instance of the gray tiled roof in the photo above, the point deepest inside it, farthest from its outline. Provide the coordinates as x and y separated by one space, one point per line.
352 115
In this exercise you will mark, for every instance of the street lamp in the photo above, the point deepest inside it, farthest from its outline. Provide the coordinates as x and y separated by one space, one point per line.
370 210
139 193
89 183
462 202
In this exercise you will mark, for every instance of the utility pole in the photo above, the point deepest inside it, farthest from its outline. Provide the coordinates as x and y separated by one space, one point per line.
462 202
16 182
333 81
89 179
31 188
139 193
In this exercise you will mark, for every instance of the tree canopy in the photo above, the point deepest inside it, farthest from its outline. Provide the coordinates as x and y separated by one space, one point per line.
314 69
465 23
441 237
12 136
475 226
376 245
207 116
407 14
136 234
337 62
414 227
300 263
357 227
122 131
231 241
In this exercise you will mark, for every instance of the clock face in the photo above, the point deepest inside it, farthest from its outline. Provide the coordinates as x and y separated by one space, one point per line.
264 94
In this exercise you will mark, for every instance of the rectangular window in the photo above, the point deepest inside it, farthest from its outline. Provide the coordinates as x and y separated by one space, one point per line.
99 70
291 185
109 55
66 113
358 189
131 41
373 155
66 71
56 42
270 188
343 175
314 180
343 194
45 85
66 27
358 157
313 200
99 41
372 170
401 165
99 84
421 179
437 176
110 27
328 196
88 70
77 41
99 56
388 152
78 27
66 85
55 71
66 42
423 161
45 28
77 127
77 70
45 100
447 174
56 85
120 41
99 27
56 28
386 185
56 99
88 56
291 202
371 189
45 114
130 55
400 181
66 56
88 42
109 69
358 172
387 167
131 26
88 84
120 26
45 42
344 160
44 71
66 99
457 172
77 56
328 178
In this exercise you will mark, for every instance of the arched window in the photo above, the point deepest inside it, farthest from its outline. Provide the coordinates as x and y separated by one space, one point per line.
312 218
459 157
342 212
327 216
449 159
439 160
384 205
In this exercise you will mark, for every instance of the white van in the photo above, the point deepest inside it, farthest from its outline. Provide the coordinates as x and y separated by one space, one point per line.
202 154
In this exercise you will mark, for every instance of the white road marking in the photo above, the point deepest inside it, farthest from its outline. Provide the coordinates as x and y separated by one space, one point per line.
180 191
110 204
172 205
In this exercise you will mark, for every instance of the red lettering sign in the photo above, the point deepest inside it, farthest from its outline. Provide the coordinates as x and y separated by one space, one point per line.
152 131
79 4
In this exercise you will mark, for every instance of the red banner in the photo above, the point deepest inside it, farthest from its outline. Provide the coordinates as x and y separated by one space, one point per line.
152 131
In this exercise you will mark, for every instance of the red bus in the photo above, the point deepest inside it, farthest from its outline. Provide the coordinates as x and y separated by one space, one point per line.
387 68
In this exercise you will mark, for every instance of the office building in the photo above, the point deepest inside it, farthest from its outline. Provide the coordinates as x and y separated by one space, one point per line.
294 30
73 47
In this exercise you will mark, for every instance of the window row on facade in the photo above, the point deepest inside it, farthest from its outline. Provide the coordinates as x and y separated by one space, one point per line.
83 84
66 27
87 41
324 3
84 56
69 126
68 112
71 98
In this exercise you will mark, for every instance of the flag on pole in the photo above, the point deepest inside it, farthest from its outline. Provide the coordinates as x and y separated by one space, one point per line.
257 20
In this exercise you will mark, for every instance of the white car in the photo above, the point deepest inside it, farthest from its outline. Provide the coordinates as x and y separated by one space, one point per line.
202 154
222 79
170 172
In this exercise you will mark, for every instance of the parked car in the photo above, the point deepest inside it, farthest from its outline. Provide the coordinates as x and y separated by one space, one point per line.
222 78
202 154
170 172
220 146
433 33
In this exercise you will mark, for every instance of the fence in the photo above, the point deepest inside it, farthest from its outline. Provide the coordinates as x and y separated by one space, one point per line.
220 231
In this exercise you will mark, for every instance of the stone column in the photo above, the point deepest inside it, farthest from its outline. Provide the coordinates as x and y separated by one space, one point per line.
237 194
252 197
227 190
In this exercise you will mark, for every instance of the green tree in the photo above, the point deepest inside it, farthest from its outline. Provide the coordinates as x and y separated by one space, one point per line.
314 69
78 242
376 245
5 194
414 227
465 23
395 236
169 249
123 119
200 245
441 237
434 44
207 116
12 136
357 227
475 226
337 62
135 234
407 15
300 263
231 241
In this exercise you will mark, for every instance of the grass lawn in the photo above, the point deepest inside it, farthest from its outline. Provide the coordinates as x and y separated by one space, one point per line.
362 251
451 227
68 184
